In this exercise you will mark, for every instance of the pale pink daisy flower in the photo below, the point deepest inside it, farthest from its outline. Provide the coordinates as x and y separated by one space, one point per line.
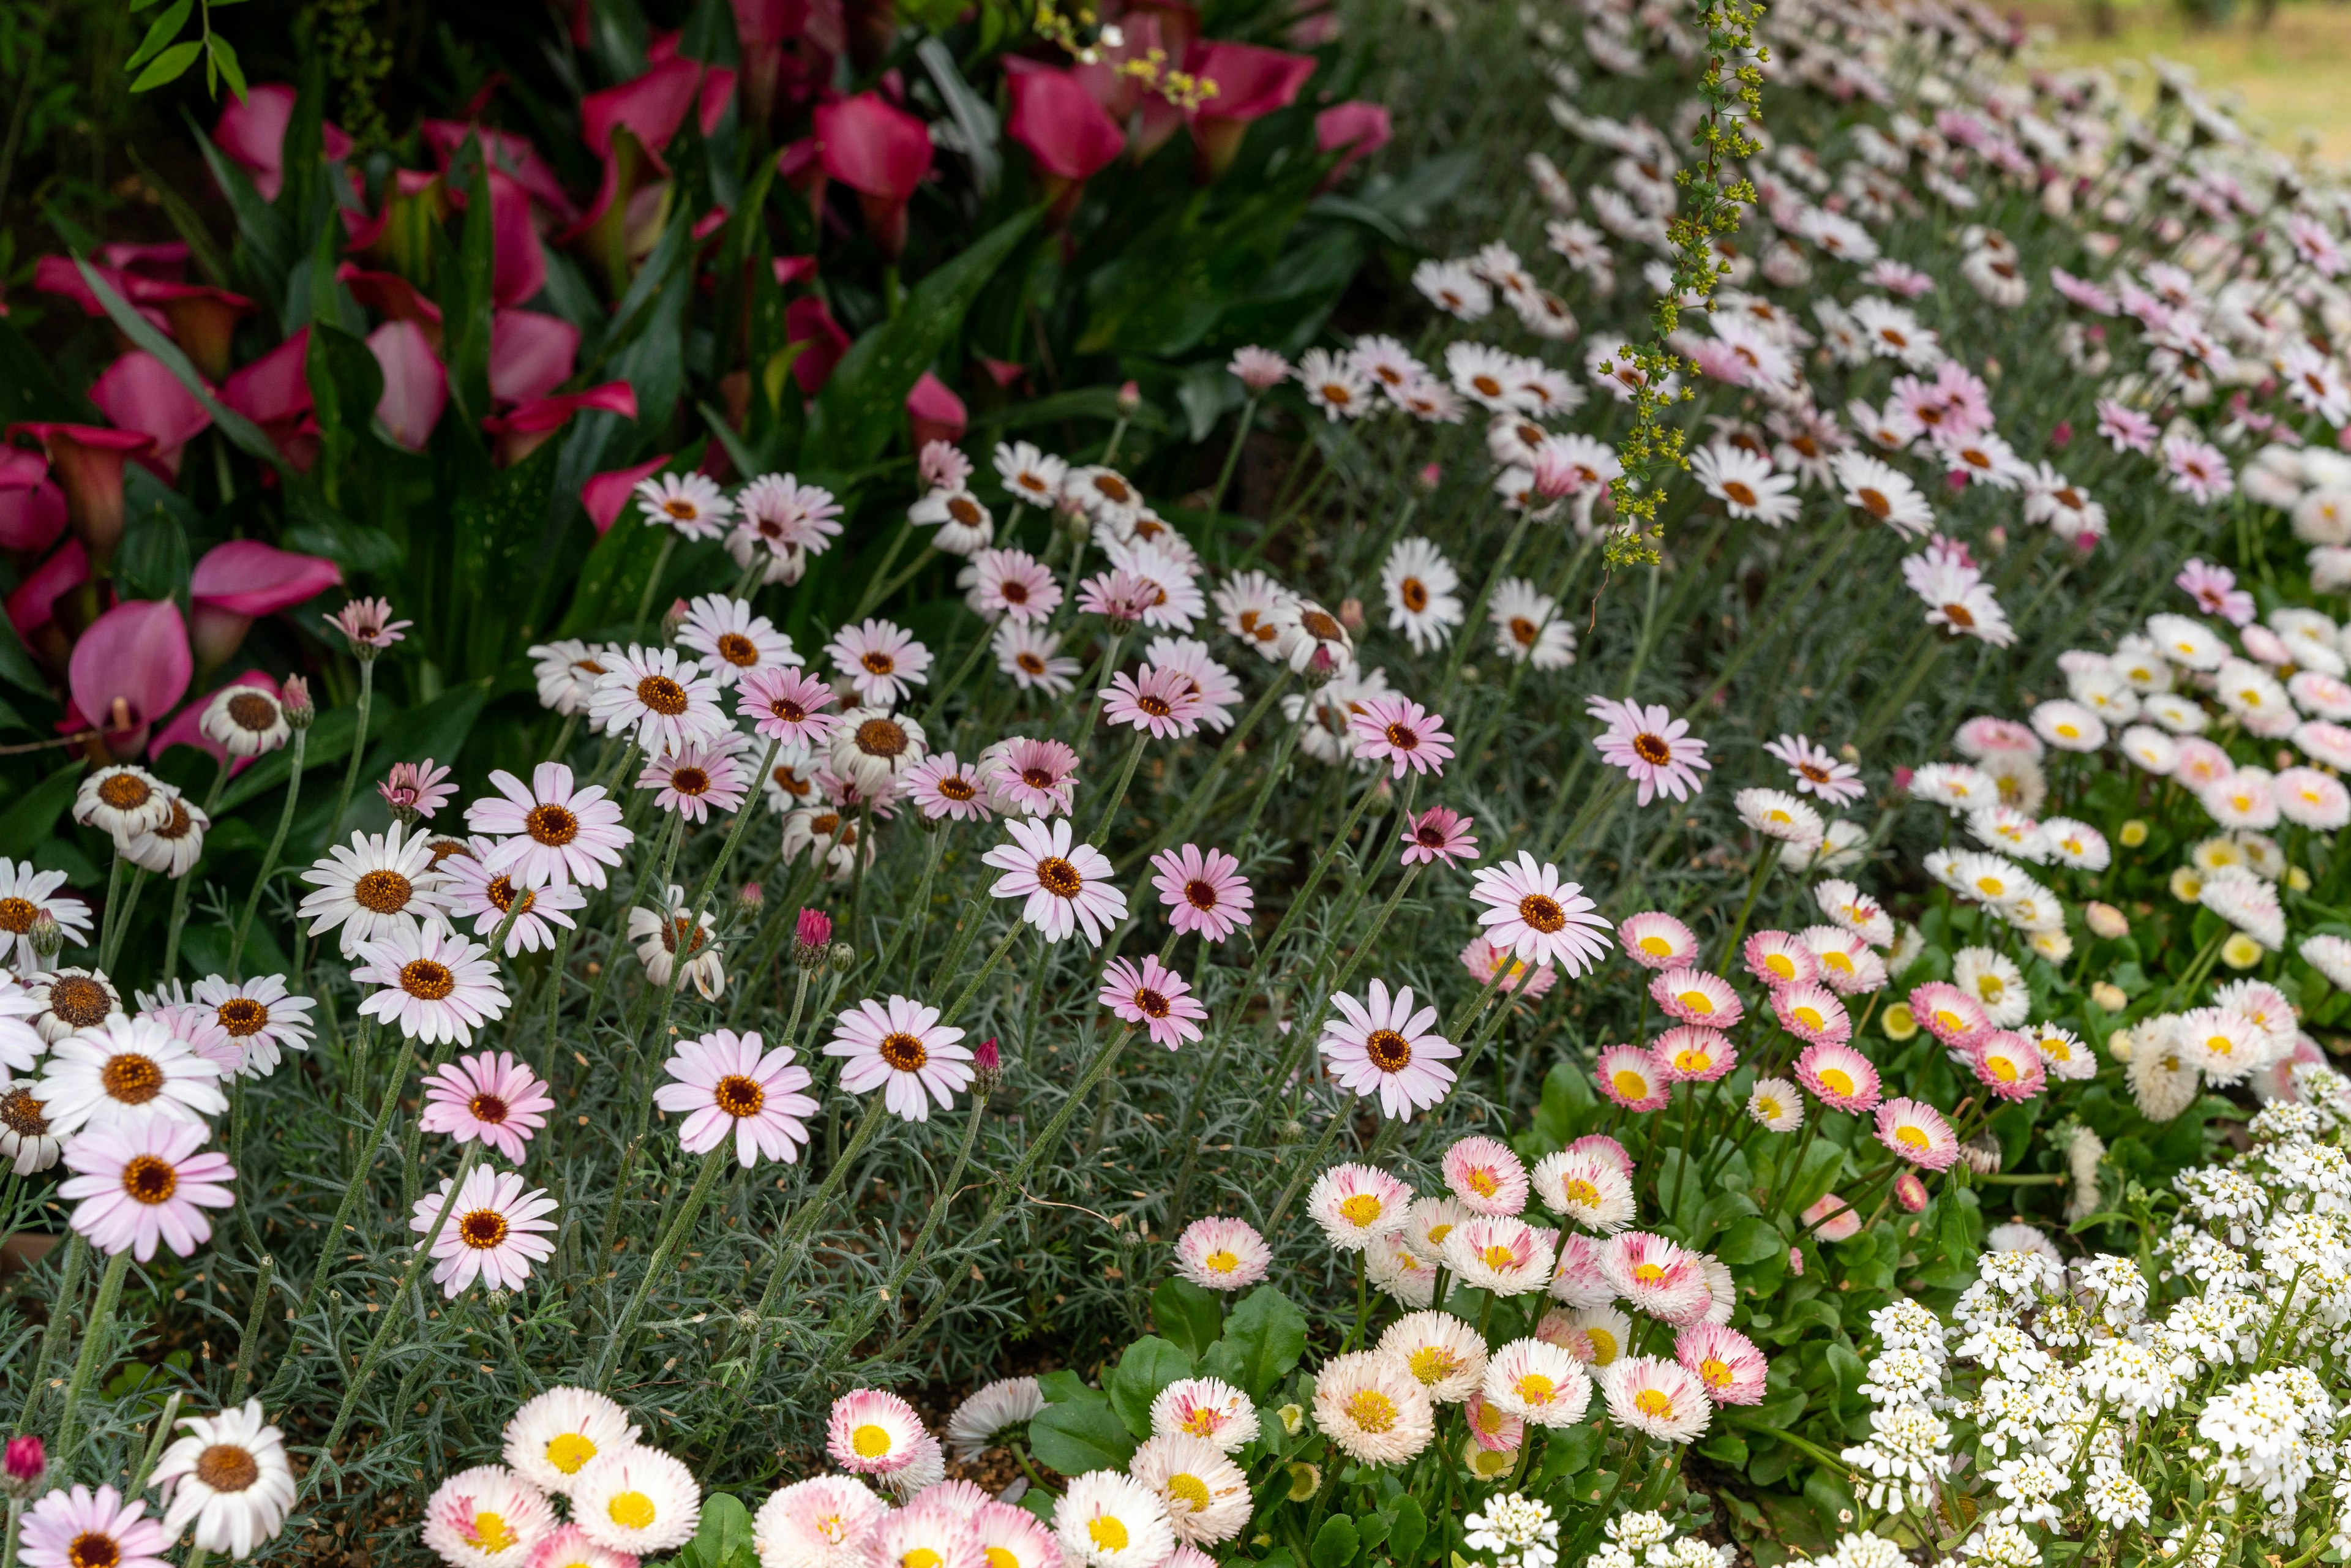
1503 1254
1812 1014
1657 941
901 1046
691 503
1012 585
488 897
1439 833
825 1522
941 787
1950 1014
1656 749
1724 1361
872 1432
730 1085
1539 1381
1033 778
2197 468
1259 370
1656 1276
1066 885
1218 691
1492 1429
551 831
663 701
2009 1064
1817 770
1605 1147
1576 1279
569 1546
81 1529
1653 1396
1401 733
1383 1045
414 790
1633 1077
496 1231
1508 972
786 705
1486 1175
880 661
368 625
1696 997
1779 958
693 781
1537 916
1221 1254
732 641
2310 798
1162 702
1120 595
1203 890
435 985
492 1097
1692 1054
1156 997
2214 589
1587 1188
1916 1132
1839 1077
138 1183
1356 1203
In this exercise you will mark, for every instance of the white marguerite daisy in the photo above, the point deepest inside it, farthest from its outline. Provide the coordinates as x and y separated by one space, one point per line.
229 1477
663 702
125 1072
1110 1521
378 883
436 985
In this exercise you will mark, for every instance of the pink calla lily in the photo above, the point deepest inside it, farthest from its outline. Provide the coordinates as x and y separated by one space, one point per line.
33 608
1071 137
252 131
809 320
185 727
57 275
935 412
87 462
533 424
1251 83
388 294
32 507
415 383
762 28
1354 130
509 152
237 582
531 354
880 151
202 320
166 260
274 391
128 670
518 269
605 495
140 394
655 104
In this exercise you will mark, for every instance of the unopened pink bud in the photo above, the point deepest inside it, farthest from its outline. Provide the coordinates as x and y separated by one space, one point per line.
986 1057
1351 614
295 695
2104 920
812 932
2062 437
1130 397
1909 1192
1796 1261
25 1463
1430 476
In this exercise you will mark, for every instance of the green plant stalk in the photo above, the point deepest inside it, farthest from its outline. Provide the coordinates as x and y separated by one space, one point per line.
359 752
181 883
69 1272
249 1347
113 911
1205 791
616 1343
269 859
955 1011
621 938
949 1189
112 947
1765 859
653 584
872 596
917 912
157 1435
980 647
1096 684
1233 454
1313 1161
1477 609
101 1322
1112 801
361 1172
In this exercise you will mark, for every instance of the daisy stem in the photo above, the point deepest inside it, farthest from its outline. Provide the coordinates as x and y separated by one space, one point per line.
392 1317
916 913
365 1167
15 1512
1477 609
359 752
1362 1307
971 989
113 945
1118 795
954 682
61 1307
1205 791
616 1343
949 1189
1764 861
652 585
248 1344
870 598
1313 1162
101 1322
1891 709
412 1151
113 909
185 879
1233 454
269 859
157 1435
1103 668
905 575
620 942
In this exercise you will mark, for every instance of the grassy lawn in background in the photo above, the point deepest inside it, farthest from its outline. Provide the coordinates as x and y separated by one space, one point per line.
2288 76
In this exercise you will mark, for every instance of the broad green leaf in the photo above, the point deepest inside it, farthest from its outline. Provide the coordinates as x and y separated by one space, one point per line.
1335 1544
1847 1369
1150 1364
612 576
1571 1450
269 243
1059 1387
494 534
723 1538
246 434
152 559
222 55
1408 1528
1750 1240
1077 1436
1188 1315
168 67
1268 1333
29 820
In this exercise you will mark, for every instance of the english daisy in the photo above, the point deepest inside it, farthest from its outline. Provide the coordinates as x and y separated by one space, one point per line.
1439 833
486 1517
1444 1355
551 832
1066 885
1538 1381
1011 1537
124 1072
733 641
1154 997
2009 1064
1587 1189
639 1501
492 1097
1776 1104
1208 1408
1690 1054
1207 1496
1993 979
1695 996
229 1477
1577 1278
1401 733
661 702
1778 815
1354 1203
1917 1133
1812 1014
880 660
1633 1077
436 985
1504 1255
1383 1045
569 1546
901 1047
1780 960
825 1522
1951 1015
1657 1398
1725 1363
1839 1077
872 1432
81 1529
1656 749
785 705
1654 1276
139 1182
1657 941
1220 1254
1109 1521
994 1410
1485 1177
554 1434
1372 1408
1539 917
1594 1335
1203 891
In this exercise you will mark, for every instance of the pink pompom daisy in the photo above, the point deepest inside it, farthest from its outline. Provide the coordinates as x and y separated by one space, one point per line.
492 1097
1439 833
1657 941
872 1432
1779 958
1486 1175
1918 1133
1695 996
1812 1014
1950 1014
1839 1077
1577 1278
139 1182
1633 1077
1831 1218
1848 966
1656 1397
786 705
1657 1276
1155 996
1498 968
1222 1254
1401 733
1694 1054
1203 890
2009 1064
1724 1361
1605 1147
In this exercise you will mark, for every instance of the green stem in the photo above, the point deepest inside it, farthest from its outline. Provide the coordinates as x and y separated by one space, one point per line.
53 1336
101 1322
359 752
1232 457
185 879
1117 795
652 585
269 860
616 1344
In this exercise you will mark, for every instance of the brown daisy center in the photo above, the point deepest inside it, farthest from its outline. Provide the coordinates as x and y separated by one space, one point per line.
662 695
1155 705
1151 1004
689 781
225 1466
1321 626
93 1549
902 1052
1058 877
79 1000
738 1095
551 825
1959 615
1389 1052
1652 749
149 1179
131 1079
17 914
737 650
956 787
1741 493
242 1016
878 662
1403 737
482 1230
1874 503
178 825
1415 594
1524 632
427 980
490 1108
126 791
502 892
882 738
1542 913
965 511
382 892
21 1114
1200 895
1110 487
253 711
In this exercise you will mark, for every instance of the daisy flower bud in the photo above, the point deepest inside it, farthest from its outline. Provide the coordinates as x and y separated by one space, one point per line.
812 937
46 937
25 1464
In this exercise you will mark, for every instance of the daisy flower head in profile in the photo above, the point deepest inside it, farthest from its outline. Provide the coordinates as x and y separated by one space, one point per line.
245 721
872 749
172 848
639 1501
1155 702
666 936
663 702
1422 588
136 1184
1775 1104
730 639
1217 1253
1745 483
1353 1203
566 672
1539 917
1817 770
692 504
82 1529
496 1230
551 830
490 1096
121 800
368 626
554 1434
965 525
1781 817
993 1413
415 792
1066 886
1372 1408
27 1143
1312 642
63 1000
901 1048
1383 1045
1656 749
1154 997
378 883
1439 833
1203 891
435 984
229 1477
1401 733
486 1517
1633 1077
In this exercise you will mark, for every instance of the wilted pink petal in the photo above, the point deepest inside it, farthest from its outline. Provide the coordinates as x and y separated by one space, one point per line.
531 354
185 727
1354 130
807 321
390 295
87 461
791 269
604 495
936 412
128 670
508 152
33 605
276 388
139 393
521 432
253 133
880 151
1251 83
415 384
236 581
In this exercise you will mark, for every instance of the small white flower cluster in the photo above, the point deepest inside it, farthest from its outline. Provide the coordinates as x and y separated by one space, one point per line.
1517 1529
2260 1430
1644 1539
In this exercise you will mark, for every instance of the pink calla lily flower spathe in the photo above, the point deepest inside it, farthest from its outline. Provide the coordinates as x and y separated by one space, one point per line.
531 354
87 461
533 424
519 266
32 507
236 583
655 104
762 28
508 152
935 413
1354 130
139 394
128 670
200 320
399 234
57 275
604 496
415 384
274 391
880 151
388 294
1251 83
33 608
252 131
1071 137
